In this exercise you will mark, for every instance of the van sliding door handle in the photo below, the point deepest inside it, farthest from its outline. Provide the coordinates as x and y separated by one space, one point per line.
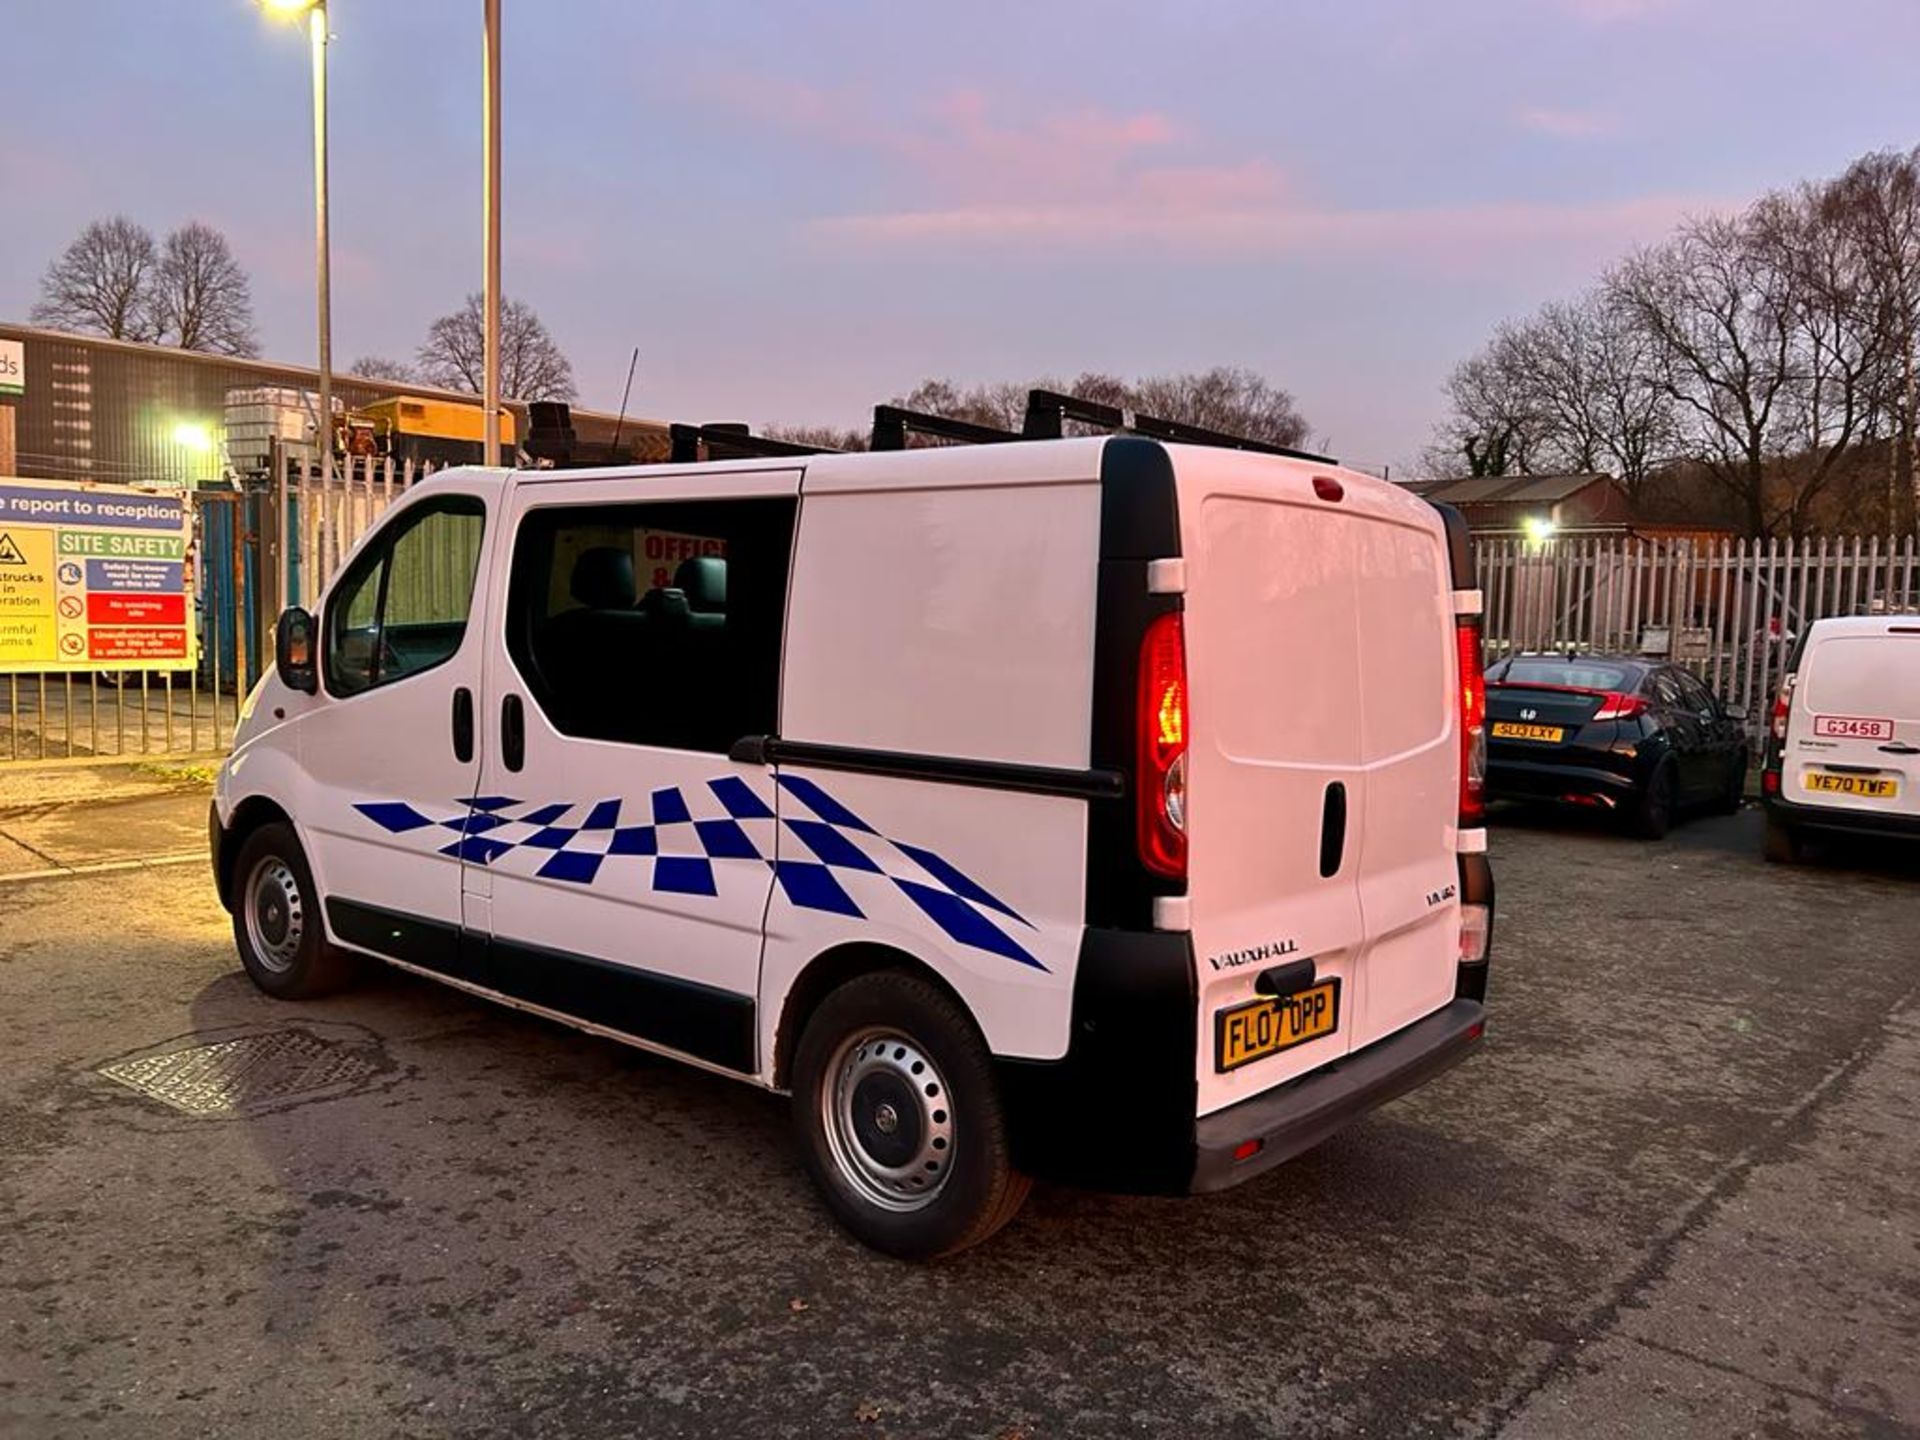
513 733
462 724
1333 830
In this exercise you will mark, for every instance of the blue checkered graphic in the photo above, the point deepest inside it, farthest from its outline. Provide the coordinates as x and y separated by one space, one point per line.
677 852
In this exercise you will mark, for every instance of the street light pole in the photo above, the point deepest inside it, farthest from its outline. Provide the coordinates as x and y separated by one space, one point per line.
317 29
491 221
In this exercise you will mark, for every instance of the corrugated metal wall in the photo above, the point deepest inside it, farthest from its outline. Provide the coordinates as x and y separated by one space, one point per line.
96 410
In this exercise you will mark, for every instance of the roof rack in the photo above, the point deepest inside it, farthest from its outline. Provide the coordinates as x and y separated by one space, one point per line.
1048 411
892 425
732 441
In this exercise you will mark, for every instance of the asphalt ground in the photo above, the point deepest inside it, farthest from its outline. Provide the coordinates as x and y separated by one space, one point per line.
1678 1193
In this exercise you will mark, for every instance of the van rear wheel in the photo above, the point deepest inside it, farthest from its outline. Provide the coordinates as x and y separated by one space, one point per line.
899 1121
276 919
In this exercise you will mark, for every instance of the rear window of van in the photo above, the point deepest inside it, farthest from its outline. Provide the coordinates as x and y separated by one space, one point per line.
1867 675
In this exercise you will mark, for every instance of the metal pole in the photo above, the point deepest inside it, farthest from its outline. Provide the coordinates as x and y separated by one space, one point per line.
491 206
317 26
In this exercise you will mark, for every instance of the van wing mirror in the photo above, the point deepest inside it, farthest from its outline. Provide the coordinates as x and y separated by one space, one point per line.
293 657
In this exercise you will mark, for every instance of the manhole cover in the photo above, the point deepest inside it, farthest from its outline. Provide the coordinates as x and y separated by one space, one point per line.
248 1071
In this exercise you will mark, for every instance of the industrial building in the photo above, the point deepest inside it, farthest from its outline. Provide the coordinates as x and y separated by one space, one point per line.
83 407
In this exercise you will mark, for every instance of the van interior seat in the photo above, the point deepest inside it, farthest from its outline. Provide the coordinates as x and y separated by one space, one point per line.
703 580
594 645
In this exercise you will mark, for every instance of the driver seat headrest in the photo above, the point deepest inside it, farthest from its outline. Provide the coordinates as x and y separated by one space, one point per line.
704 579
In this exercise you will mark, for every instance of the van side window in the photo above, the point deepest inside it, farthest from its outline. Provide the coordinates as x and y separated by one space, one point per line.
654 624
402 607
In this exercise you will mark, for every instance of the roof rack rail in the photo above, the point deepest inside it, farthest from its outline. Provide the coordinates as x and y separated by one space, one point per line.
731 441
892 425
1048 411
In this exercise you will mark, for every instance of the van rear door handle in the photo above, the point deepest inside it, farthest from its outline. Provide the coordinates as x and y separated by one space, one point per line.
462 724
1901 748
513 733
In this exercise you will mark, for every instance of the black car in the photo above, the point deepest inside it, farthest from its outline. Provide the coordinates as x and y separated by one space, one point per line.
1634 737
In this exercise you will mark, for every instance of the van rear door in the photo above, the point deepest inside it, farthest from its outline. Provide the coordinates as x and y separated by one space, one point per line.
1856 719
1323 792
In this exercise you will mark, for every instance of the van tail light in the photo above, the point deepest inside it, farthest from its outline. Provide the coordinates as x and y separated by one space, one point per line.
1615 706
1476 930
1782 703
1162 771
1473 723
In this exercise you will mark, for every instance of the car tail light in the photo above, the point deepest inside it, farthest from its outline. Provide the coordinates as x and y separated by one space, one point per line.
1476 928
1473 724
1616 706
1782 703
1162 774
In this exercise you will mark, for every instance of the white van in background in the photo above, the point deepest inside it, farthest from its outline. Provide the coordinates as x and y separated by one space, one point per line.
1096 808
1843 753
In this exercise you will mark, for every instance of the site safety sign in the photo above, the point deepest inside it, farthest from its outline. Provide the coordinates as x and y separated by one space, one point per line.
93 577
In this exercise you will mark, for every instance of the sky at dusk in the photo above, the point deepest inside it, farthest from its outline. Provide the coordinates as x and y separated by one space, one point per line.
795 210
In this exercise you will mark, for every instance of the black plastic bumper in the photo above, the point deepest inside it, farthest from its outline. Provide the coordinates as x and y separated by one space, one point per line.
1297 1116
216 853
1832 820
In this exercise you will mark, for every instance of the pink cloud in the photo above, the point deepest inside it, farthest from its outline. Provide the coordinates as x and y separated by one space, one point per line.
1443 239
1564 124
1094 182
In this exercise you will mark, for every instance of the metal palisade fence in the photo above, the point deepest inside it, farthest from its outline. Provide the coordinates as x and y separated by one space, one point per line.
235 594
1728 610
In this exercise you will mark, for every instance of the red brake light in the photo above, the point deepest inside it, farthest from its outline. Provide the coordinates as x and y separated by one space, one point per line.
1473 724
1615 706
1161 780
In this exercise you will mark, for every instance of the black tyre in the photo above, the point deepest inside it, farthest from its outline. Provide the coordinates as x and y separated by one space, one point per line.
1783 845
899 1120
1727 802
276 919
1653 809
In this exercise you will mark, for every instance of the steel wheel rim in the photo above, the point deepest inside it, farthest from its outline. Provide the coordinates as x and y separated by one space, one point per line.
887 1114
276 914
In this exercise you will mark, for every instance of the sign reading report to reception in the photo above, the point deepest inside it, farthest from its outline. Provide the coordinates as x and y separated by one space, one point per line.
93 577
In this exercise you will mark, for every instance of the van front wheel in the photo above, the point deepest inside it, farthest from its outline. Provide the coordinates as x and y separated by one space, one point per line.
899 1120
276 919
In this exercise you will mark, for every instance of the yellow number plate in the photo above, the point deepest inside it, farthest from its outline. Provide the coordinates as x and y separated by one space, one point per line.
1511 730
1867 787
1266 1026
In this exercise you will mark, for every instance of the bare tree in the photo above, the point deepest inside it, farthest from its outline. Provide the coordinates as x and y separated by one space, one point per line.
532 366
1719 311
823 437
1877 200
1496 426
100 282
379 367
199 297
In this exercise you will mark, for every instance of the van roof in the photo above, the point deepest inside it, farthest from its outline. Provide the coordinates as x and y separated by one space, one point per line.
1021 462
1838 625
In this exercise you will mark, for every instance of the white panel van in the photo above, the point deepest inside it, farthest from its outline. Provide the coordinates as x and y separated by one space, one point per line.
1843 753
1100 809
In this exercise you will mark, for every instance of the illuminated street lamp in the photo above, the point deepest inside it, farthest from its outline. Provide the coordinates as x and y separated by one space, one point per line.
1539 528
316 13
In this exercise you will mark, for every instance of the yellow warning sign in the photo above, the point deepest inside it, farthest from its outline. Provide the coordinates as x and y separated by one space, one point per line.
27 620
